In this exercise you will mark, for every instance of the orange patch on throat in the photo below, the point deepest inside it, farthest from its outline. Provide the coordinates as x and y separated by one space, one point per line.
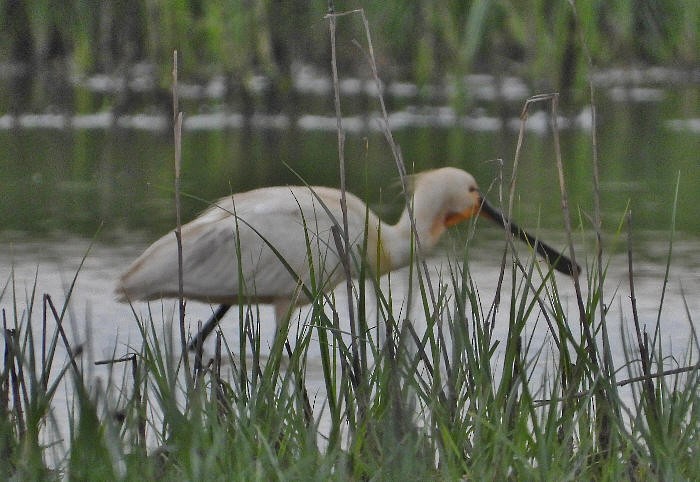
454 218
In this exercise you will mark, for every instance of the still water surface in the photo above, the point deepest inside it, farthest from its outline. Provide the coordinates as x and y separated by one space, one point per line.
70 180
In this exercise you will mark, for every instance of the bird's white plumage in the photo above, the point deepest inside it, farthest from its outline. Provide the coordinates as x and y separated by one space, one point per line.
295 220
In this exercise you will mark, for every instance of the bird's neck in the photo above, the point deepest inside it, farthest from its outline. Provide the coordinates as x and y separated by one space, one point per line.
398 241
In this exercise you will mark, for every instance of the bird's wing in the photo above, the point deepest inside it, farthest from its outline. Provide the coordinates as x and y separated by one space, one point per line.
289 219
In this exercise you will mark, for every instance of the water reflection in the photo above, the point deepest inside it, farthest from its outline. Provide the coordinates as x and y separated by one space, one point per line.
122 157
441 117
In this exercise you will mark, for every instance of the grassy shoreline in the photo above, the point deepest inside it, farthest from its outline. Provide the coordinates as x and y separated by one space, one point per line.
497 411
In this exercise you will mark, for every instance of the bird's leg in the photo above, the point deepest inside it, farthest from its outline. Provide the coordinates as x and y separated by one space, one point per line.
208 327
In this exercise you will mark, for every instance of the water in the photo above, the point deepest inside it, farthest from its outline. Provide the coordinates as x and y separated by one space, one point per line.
68 179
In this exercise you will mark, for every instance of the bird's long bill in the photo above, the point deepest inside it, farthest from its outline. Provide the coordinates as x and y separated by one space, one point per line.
557 260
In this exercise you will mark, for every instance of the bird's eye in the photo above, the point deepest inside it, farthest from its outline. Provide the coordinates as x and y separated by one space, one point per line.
472 188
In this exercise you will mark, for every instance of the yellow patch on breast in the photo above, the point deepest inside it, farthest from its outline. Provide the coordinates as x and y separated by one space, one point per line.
377 257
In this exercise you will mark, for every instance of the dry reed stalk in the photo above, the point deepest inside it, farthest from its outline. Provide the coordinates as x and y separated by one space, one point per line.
341 239
14 382
403 178
668 260
608 369
597 215
642 344
138 398
59 325
591 350
621 383
511 197
585 324
177 135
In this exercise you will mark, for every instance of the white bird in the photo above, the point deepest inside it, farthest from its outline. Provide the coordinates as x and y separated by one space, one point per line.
231 252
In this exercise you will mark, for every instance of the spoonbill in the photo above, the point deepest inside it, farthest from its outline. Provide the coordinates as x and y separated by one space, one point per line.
232 252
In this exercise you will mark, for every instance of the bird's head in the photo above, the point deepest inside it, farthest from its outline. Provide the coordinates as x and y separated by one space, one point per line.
463 200
443 198
448 196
